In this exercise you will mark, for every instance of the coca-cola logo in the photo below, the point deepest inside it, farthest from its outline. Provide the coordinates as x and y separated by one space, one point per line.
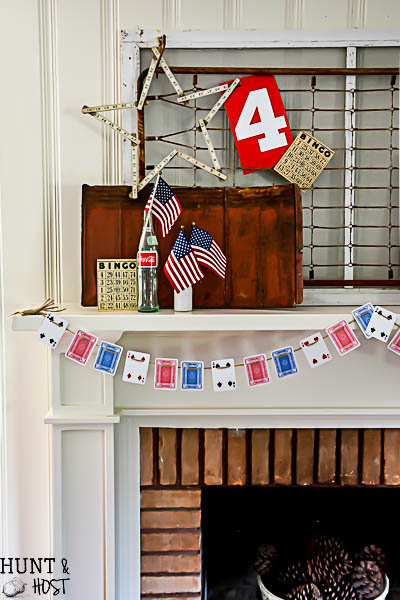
147 259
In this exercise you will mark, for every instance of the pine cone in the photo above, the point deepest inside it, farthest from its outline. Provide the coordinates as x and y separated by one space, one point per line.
324 543
339 590
309 591
368 580
331 565
265 559
374 554
292 574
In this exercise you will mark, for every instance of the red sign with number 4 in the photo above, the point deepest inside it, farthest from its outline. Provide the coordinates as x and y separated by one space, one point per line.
259 123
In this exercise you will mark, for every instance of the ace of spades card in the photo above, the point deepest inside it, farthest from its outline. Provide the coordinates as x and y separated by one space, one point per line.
381 324
315 350
223 375
51 330
136 367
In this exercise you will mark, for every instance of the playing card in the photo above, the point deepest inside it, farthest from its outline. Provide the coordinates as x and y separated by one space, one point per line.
284 361
394 344
166 374
136 367
51 330
315 350
107 358
223 374
256 370
192 375
342 337
381 324
363 315
81 347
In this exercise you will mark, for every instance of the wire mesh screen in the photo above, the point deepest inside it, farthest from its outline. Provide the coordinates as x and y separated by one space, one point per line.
351 213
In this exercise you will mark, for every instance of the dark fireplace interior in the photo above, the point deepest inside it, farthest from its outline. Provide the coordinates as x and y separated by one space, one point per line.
236 520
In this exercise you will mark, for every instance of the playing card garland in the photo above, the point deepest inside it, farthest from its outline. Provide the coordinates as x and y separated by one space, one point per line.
223 375
136 367
373 321
51 330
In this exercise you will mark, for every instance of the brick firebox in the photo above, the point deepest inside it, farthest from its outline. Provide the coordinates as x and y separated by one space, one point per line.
177 463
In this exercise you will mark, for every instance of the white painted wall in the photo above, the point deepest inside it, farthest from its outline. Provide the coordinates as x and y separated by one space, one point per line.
41 166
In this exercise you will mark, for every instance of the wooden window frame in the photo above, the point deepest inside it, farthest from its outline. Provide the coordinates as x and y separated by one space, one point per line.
133 42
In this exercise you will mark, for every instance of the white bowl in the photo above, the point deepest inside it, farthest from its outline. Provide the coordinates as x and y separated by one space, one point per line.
267 595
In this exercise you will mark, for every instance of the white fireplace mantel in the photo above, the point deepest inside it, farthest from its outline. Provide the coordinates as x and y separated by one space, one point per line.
299 318
96 419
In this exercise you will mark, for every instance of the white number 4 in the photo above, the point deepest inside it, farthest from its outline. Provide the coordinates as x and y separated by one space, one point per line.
269 124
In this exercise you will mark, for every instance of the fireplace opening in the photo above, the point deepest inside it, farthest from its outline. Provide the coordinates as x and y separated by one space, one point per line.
235 521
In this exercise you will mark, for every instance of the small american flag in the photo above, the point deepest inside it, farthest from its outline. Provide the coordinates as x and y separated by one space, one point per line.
207 251
166 206
181 267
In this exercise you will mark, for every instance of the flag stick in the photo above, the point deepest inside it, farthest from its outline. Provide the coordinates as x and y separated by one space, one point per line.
150 207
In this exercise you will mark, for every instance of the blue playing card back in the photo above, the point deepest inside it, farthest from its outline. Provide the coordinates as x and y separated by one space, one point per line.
363 315
107 358
192 375
284 361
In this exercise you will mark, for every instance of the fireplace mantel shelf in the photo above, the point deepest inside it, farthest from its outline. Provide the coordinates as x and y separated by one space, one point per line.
300 318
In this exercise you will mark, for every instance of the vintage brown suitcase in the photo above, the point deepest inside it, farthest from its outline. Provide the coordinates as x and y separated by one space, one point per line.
259 229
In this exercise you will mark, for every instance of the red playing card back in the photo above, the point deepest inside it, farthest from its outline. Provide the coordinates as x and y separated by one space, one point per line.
259 122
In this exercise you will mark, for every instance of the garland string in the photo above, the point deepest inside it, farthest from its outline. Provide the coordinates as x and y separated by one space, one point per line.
49 306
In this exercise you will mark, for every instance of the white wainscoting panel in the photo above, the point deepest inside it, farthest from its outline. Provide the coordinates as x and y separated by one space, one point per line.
141 14
261 15
79 390
208 14
83 497
81 76
382 13
127 514
326 15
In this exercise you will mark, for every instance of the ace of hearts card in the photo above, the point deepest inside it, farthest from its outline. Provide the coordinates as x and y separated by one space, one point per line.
166 374
223 375
256 370
315 350
342 337
51 330
381 324
136 367
81 347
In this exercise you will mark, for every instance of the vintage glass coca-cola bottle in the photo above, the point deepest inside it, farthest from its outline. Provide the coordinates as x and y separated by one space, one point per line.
147 263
